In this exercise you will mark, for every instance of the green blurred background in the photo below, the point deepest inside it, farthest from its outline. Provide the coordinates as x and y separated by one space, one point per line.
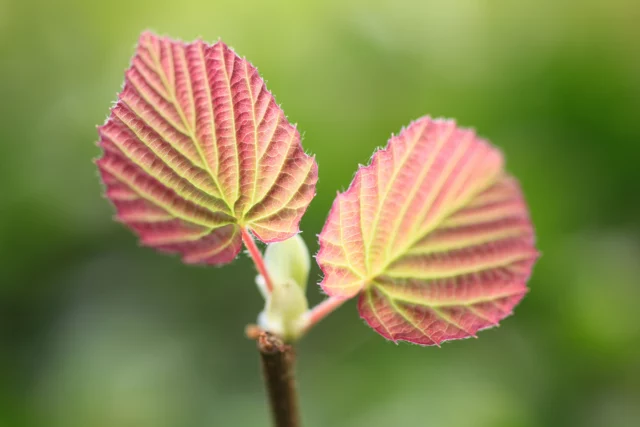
96 331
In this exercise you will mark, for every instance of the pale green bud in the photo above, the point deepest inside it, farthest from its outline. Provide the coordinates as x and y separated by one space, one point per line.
288 264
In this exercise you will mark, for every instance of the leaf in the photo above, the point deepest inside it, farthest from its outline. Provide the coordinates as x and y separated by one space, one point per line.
433 235
196 149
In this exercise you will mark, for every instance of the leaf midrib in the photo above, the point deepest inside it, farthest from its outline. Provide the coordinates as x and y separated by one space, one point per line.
170 90
419 236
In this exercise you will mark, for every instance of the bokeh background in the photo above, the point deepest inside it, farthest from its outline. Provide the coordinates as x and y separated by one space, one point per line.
96 331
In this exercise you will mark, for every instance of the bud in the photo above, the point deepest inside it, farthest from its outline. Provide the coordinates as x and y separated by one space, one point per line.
288 264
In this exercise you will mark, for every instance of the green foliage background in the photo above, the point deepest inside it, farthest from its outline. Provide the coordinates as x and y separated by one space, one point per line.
95 331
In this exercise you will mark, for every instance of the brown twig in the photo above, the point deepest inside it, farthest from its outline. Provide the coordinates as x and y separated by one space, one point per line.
278 369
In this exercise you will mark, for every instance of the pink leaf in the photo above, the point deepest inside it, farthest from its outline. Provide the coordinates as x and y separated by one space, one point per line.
196 149
433 235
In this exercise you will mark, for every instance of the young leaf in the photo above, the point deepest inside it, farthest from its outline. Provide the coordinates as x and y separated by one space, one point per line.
433 235
196 149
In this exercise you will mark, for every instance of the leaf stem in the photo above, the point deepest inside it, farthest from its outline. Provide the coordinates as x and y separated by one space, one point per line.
322 310
278 369
256 256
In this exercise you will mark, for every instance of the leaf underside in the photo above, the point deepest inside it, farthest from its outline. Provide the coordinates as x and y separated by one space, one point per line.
433 235
196 149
